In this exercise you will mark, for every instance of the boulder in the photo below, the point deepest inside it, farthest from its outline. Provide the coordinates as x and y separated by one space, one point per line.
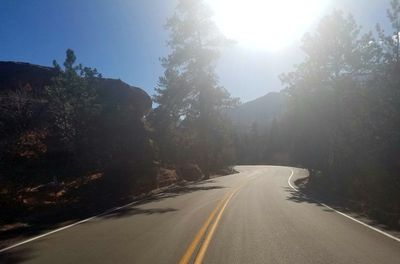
166 177
116 141
33 78
190 172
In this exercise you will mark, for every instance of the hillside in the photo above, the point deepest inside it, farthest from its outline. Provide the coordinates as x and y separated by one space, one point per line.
260 111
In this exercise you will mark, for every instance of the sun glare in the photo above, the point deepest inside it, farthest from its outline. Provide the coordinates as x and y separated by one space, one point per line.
265 24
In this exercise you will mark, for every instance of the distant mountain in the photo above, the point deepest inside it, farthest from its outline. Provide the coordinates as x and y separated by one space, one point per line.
260 111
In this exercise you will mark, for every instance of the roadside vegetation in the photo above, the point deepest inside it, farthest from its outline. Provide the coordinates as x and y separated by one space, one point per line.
190 122
68 142
73 141
342 116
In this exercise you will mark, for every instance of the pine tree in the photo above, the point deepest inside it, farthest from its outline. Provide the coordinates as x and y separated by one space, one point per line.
190 101
72 101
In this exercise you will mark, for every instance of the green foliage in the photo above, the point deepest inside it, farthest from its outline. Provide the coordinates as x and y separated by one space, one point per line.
96 127
191 105
72 101
23 136
78 124
343 115
20 114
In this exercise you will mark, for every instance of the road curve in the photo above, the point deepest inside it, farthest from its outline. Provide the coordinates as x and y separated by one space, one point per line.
250 217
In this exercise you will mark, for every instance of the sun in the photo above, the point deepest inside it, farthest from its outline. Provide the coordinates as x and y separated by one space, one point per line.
265 24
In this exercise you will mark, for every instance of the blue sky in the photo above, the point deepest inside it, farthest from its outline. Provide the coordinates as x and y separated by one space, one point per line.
125 39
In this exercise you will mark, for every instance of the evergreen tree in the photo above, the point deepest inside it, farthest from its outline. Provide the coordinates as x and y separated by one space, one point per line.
72 102
191 104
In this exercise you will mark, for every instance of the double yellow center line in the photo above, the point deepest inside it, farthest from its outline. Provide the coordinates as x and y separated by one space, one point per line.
203 237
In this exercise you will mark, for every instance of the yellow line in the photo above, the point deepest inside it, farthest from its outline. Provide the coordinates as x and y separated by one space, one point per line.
204 246
191 249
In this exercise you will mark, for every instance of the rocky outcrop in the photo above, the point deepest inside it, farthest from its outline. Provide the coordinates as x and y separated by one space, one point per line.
20 75
115 140
118 92
190 172
33 78
166 177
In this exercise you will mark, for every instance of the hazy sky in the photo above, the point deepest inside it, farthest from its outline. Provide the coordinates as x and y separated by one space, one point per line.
125 38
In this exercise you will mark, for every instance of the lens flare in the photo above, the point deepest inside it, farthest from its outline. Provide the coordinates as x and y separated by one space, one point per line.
270 25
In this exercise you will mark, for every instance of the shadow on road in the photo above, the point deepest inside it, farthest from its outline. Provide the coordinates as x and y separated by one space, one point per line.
300 197
15 256
178 190
130 211
21 255
305 195
191 188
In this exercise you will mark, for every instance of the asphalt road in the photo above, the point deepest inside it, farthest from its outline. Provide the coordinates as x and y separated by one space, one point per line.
250 217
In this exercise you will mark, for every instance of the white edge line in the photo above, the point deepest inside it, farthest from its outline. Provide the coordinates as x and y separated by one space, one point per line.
289 181
69 226
132 203
345 215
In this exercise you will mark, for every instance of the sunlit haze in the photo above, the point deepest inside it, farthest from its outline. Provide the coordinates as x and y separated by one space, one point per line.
270 25
200 131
